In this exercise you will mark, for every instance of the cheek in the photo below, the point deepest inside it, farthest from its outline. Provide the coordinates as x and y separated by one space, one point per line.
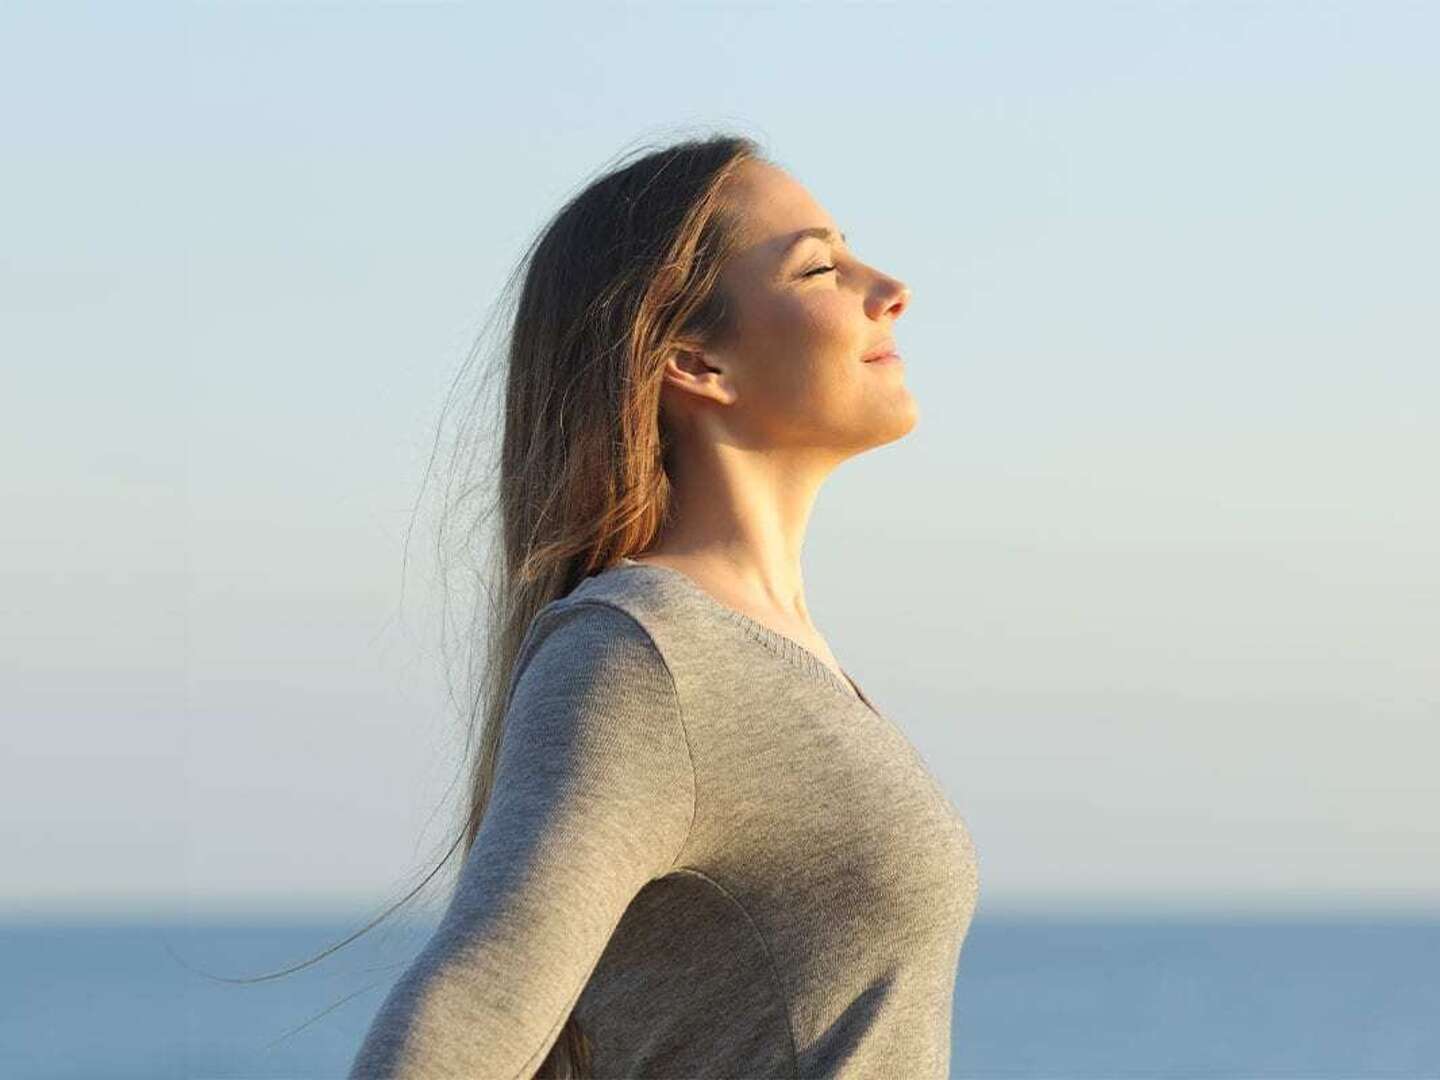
814 335
802 348
832 353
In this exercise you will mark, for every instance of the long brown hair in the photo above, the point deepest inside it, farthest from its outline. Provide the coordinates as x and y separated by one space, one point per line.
625 271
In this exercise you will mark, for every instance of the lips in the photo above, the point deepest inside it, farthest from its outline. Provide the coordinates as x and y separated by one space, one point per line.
885 348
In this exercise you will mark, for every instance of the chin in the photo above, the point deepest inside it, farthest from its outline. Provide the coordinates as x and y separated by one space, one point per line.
897 424
906 419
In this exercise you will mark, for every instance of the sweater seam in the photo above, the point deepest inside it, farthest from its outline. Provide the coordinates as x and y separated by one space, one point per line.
679 715
765 948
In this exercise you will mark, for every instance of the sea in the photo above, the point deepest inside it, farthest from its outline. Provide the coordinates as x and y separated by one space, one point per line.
1311 997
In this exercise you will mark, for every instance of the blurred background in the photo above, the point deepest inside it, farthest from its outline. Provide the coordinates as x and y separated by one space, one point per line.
1152 585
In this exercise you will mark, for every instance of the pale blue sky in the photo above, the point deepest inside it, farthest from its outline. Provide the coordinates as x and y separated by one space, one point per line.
1153 585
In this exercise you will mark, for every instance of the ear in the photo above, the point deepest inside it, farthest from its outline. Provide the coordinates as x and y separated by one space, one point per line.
693 373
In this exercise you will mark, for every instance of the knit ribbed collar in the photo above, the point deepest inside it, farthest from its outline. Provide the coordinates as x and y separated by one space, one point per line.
781 644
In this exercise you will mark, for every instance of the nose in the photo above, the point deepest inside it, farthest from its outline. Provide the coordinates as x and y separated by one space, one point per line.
892 295
903 300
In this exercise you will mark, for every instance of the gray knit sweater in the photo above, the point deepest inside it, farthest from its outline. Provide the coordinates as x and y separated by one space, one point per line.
707 844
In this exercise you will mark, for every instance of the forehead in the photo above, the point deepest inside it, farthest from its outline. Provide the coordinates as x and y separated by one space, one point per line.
773 207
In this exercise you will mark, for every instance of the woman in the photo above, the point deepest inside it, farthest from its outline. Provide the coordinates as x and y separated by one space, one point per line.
695 846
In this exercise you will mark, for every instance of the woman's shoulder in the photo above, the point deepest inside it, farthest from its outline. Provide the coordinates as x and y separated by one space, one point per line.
623 591
609 620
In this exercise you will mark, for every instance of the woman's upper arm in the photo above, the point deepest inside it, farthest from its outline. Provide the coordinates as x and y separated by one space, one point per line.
593 798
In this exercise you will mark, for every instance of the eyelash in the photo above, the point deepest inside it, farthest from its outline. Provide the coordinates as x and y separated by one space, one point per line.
817 270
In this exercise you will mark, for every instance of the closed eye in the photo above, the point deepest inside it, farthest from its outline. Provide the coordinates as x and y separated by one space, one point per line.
817 270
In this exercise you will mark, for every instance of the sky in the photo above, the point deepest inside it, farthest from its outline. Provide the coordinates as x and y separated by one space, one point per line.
1152 585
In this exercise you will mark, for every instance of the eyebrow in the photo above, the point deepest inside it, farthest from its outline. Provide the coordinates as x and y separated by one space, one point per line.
819 231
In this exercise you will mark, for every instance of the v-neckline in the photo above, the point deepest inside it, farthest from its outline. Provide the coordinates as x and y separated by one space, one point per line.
781 644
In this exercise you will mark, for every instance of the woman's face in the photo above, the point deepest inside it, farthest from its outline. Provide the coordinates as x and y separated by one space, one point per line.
807 311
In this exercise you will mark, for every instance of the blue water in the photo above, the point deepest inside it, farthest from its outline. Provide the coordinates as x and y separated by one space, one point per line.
1342 998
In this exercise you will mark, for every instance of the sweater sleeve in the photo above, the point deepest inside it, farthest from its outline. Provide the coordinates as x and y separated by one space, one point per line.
593 798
